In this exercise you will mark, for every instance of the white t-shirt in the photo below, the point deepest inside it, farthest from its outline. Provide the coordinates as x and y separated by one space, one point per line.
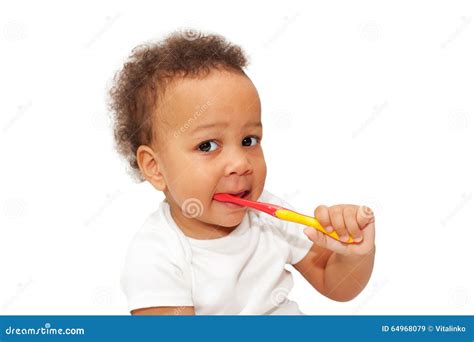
241 273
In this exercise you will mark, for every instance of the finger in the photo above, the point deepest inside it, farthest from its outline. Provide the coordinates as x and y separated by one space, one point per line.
368 244
365 215
316 236
350 219
369 233
337 221
322 215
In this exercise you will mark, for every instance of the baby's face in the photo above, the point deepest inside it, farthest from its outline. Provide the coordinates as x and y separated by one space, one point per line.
210 143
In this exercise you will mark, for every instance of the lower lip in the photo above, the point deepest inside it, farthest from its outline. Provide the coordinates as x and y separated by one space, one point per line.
231 205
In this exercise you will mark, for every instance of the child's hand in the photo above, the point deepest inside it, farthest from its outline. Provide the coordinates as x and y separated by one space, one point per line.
345 219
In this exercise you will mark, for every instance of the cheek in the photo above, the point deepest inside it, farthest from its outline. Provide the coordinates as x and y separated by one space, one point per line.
259 176
264 169
260 170
197 180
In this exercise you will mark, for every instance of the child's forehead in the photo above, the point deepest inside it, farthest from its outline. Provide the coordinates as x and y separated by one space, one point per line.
219 97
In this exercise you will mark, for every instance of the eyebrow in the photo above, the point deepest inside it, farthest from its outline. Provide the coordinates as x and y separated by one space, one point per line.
224 125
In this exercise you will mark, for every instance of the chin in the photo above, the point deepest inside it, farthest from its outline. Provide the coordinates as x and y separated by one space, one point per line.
231 220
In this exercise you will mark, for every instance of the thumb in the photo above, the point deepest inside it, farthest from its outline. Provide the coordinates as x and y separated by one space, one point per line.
325 241
316 236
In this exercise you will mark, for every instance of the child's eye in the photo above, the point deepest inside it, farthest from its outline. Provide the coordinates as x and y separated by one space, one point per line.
208 146
250 141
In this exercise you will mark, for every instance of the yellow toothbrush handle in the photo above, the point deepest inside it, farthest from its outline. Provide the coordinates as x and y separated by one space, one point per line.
292 216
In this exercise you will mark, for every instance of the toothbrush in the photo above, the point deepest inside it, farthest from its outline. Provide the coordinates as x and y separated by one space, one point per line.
281 213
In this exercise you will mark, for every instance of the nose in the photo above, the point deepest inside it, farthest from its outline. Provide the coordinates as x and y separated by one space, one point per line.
237 163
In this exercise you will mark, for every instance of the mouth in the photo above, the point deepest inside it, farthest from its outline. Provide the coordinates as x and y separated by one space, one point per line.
242 194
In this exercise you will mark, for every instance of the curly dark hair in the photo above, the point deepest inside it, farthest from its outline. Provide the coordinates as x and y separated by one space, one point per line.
140 84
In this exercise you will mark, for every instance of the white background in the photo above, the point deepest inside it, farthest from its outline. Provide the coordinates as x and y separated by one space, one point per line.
363 102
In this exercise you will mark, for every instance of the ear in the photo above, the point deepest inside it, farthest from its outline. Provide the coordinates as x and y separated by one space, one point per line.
150 167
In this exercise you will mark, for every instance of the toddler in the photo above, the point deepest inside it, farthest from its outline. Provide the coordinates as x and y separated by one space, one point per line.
188 120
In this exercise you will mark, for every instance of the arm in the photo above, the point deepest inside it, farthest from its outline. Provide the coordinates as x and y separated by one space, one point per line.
165 310
336 276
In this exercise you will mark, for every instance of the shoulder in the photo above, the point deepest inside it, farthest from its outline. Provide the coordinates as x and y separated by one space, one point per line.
156 271
156 239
